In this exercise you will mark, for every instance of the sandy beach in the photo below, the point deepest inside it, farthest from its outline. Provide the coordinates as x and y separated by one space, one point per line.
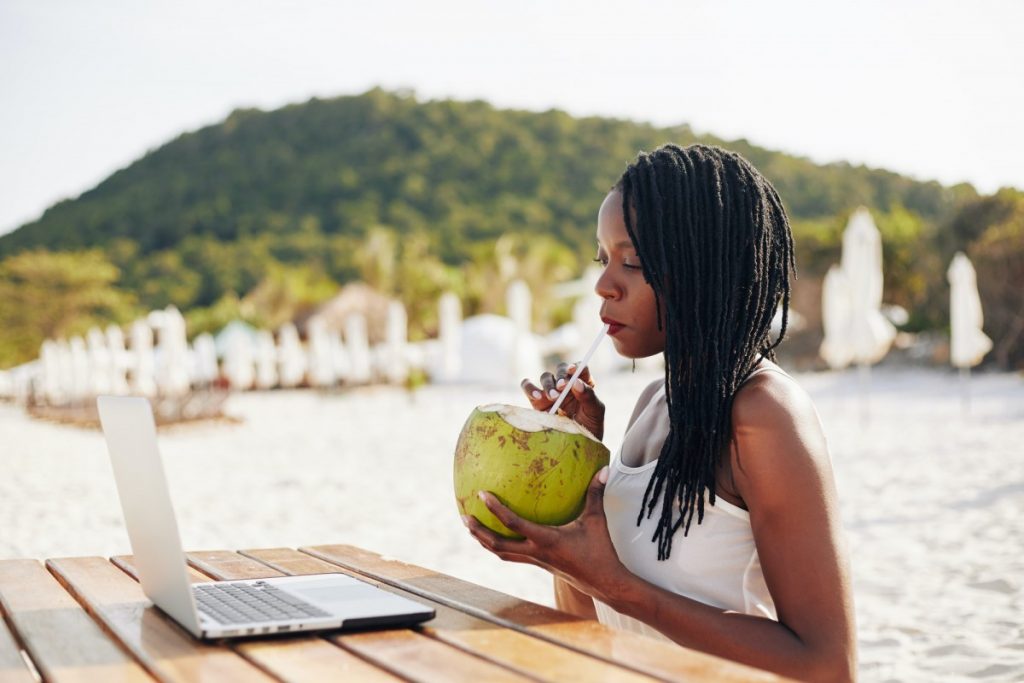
932 497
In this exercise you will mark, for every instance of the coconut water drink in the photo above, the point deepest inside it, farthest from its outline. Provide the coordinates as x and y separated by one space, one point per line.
537 464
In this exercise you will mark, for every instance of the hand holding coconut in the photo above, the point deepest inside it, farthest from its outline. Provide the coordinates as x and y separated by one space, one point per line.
580 552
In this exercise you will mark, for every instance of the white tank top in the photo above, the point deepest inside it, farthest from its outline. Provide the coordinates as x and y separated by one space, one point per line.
716 563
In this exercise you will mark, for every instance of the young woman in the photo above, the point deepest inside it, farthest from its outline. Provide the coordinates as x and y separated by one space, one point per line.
716 525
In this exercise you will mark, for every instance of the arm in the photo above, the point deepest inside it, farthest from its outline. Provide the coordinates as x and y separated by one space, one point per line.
781 469
571 600
567 597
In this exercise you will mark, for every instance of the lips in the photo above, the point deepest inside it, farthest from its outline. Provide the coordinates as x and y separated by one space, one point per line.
614 326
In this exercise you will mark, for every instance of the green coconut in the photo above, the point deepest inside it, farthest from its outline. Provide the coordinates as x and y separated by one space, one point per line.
538 465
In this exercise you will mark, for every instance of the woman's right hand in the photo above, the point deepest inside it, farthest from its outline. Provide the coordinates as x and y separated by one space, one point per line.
581 403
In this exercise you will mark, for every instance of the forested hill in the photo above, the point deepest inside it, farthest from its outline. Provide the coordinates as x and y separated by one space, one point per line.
267 214
458 172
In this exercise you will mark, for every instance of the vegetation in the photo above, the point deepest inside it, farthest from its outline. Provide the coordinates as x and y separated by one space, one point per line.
268 213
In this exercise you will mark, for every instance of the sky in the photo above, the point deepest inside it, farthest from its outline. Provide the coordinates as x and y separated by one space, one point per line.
930 88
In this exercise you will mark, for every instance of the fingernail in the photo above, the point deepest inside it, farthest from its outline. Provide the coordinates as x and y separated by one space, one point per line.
602 476
465 521
560 383
536 394
481 496
553 394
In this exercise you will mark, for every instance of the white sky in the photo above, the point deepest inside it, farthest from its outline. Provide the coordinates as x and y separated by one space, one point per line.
930 88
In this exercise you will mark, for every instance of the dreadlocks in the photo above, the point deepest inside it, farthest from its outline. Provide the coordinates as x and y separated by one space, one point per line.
715 246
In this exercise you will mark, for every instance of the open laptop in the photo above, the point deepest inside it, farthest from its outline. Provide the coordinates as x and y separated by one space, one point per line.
223 609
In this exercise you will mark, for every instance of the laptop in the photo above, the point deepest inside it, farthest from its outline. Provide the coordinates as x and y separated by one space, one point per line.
224 609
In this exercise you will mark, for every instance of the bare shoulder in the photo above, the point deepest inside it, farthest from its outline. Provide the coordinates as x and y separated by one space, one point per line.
776 429
771 399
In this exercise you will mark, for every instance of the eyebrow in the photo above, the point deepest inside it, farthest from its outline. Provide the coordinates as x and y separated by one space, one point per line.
620 245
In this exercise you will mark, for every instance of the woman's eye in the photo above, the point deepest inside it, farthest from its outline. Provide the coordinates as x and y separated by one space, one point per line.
630 266
602 261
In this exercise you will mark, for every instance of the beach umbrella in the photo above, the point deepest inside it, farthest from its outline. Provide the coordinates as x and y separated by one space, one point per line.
855 329
119 360
266 360
143 364
835 316
968 344
291 357
49 361
239 360
396 342
357 346
449 322
204 360
321 358
519 305
80 372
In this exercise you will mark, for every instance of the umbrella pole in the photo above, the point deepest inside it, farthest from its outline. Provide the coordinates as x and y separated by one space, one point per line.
965 390
864 379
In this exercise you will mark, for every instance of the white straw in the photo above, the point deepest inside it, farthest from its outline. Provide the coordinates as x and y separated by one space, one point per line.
579 369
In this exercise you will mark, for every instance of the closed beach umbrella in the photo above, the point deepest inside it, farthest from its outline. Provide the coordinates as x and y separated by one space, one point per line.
968 344
855 329
835 315
321 360
291 357
357 345
449 322
143 364
397 340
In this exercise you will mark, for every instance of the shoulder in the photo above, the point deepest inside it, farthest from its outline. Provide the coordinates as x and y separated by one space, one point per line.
778 441
645 398
772 400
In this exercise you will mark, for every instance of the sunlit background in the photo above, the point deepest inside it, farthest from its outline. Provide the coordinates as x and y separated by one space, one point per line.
317 234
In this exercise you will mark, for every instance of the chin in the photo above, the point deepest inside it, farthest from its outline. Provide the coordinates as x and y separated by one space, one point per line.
630 351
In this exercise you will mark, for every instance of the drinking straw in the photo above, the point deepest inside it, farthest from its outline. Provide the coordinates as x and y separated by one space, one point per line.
579 369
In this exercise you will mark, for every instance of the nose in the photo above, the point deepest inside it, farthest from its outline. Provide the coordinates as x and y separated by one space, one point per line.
606 287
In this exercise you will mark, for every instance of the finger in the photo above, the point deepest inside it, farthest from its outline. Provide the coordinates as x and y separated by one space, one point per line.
595 492
561 373
492 541
584 393
535 395
547 383
584 374
511 520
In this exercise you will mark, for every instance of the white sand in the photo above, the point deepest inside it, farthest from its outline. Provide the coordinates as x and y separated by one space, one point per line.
932 500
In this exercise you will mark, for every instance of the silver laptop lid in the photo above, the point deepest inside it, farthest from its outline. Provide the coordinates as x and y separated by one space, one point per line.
146 502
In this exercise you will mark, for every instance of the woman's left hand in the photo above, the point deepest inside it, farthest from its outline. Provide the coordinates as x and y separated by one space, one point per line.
580 552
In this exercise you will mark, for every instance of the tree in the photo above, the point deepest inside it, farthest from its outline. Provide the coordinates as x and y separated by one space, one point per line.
53 295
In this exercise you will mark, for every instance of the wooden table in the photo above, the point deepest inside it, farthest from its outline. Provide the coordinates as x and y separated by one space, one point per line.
87 619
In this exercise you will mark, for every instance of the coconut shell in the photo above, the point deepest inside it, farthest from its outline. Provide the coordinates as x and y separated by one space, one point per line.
539 469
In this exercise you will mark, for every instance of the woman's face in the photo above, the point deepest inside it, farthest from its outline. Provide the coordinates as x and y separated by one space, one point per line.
629 304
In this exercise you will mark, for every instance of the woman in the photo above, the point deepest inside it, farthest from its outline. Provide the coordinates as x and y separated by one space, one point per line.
716 525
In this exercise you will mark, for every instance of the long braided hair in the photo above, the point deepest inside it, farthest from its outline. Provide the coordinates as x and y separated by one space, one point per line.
715 245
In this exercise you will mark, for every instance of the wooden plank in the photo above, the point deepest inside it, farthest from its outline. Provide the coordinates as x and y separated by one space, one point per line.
648 655
63 641
293 659
408 653
13 668
126 563
165 649
514 649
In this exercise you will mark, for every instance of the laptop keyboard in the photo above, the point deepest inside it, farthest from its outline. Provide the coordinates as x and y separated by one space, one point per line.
241 603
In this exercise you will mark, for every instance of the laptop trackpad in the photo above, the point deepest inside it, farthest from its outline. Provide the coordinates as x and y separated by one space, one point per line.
331 594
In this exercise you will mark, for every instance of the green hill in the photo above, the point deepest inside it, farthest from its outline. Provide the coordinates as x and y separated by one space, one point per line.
275 209
460 171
